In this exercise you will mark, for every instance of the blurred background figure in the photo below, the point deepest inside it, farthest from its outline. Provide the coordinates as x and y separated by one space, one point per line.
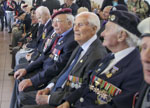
139 7
71 5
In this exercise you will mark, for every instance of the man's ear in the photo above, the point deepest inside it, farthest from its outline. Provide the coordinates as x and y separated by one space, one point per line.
122 36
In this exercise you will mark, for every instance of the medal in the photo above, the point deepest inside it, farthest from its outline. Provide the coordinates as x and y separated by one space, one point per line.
72 85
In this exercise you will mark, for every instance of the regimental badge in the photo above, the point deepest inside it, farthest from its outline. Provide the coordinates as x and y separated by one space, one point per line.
103 97
100 65
81 61
114 69
74 82
112 17
31 35
99 69
56 53
104 90
51 56
59 43
56 57
81 99
108 75
43 35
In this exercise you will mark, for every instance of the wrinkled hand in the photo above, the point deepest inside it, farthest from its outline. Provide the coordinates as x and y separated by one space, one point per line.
20 73
24 46
28 56
45 91
24 84
42 99
64 105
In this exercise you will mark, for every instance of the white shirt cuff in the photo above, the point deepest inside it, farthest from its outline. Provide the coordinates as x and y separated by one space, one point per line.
50 86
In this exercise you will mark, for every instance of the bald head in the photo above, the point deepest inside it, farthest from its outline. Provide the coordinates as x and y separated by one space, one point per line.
42 14
92 18
85 27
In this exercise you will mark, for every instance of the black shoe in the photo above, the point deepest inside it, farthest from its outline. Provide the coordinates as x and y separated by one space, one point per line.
9 32
10 48
11 73
10 52
10 45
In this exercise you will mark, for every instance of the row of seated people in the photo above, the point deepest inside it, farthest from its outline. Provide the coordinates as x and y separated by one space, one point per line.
73 65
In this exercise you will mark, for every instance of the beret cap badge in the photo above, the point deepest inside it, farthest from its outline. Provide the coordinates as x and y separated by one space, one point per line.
112 17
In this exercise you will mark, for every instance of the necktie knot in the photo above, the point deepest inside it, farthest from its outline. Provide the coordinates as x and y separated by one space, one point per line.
80 50
111 56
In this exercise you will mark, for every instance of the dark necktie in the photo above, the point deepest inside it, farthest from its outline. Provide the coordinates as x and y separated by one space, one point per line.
64 76
55 42
106 63
148 96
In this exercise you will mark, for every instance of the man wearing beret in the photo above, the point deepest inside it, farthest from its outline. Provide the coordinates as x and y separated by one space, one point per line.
117 77
52 61
91 53
144 94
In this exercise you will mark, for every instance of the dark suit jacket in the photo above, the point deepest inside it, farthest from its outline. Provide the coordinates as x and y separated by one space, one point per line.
96 51
128 78
141 95
40 42
50 66
48 28
34 30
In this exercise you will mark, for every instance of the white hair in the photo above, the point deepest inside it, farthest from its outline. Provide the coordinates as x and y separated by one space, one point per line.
132 40
42 10
70 18
92 19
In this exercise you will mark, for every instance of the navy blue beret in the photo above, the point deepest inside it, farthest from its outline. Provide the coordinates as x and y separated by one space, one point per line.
127 20
62 11
20 13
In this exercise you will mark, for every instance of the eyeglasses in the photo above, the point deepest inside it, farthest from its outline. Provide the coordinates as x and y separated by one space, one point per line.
58 21
81 24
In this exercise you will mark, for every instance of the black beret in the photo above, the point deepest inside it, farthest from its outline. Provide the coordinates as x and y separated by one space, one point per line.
20 13
32 9
62 11
119 7
144 27
127 20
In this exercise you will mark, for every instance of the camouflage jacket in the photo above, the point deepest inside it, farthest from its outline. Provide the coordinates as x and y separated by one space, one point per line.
141 8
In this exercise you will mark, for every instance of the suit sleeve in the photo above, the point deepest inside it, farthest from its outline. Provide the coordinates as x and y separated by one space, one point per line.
54 69
36 64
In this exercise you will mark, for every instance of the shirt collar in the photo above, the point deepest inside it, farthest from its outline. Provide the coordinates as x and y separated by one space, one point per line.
47 22
121 54
86 45
66 32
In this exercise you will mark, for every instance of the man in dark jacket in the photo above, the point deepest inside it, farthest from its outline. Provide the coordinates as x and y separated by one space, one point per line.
2 13
144 94
118 76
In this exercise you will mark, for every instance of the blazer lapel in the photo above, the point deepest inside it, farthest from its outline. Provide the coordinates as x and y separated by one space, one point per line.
141 95
117 69
85 57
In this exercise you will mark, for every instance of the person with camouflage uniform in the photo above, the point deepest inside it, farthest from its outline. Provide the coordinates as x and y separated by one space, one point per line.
139 7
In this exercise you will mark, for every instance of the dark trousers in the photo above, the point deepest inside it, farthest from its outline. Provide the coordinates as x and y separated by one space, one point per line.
2 22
